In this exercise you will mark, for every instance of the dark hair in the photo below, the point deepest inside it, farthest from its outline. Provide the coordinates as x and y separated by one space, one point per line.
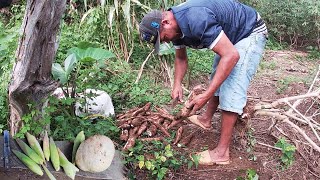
5 3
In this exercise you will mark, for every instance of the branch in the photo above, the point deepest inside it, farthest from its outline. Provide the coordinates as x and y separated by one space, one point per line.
142 66
286 119
287 99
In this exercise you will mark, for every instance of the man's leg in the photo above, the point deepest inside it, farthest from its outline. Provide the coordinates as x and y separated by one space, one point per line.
212 106
221 152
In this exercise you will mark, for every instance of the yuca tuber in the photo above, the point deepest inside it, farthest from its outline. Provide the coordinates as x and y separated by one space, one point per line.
45 146
174 123
152 130
34 144
124 135
34 167
186 140
142 128
151 139
166 124
29 152
138 121
132 139
178 135
162 129
76 143
185 111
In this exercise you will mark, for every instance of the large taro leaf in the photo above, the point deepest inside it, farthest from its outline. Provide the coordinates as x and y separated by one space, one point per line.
59 73
165 49
91 53
70 63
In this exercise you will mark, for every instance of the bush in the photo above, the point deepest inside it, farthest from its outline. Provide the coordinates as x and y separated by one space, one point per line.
293 21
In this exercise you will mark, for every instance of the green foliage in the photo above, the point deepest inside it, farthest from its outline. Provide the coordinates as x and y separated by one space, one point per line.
288 150
251 174
8 45
155 157
251 142
284 83
32 123
293 21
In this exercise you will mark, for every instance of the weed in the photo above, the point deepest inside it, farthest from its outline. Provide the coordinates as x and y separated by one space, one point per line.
155 157
251 174
284 83
268 65
251 143
288 150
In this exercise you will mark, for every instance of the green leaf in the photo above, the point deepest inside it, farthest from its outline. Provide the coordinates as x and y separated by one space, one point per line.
91 53
141 164
70 63
58 73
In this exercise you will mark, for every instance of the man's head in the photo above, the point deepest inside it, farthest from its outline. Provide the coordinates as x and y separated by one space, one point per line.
157 26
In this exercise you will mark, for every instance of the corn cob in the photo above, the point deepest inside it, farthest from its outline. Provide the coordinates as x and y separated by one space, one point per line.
29 152
34 144
54 156
76 143
46 148
51 177
69 168
33 166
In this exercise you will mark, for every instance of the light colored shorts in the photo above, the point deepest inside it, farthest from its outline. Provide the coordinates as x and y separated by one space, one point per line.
233 91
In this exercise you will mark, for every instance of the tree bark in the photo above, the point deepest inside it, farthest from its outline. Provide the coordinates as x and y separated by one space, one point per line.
31 81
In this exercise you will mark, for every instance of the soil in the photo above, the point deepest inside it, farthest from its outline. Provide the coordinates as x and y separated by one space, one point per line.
285 73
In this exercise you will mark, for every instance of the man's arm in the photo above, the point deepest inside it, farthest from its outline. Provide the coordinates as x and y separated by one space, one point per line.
181 66
229 58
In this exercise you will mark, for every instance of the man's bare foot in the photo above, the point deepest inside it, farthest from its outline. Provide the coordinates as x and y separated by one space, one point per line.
219 155
203 124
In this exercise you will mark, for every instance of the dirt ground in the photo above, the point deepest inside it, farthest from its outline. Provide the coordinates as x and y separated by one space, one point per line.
282 74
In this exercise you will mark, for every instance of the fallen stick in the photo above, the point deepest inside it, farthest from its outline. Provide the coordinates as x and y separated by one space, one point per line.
286 120
284 100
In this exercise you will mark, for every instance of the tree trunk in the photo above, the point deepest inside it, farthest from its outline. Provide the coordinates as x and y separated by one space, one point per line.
31 81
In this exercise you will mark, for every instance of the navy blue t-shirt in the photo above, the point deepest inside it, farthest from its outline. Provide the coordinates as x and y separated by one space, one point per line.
202 21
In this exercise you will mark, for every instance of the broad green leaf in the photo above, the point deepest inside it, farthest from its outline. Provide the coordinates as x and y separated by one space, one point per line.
93 53
70 63
141 164
165 49
148 165
58 73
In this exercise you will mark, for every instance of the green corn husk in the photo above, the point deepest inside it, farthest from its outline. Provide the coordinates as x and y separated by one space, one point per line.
34 144
29 152
54 156
69 168
46 147
51 177
76 143
33 166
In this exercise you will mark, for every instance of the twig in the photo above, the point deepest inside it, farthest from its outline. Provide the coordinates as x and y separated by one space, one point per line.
267 145
306 119
142 66
287 99
286 119
295 104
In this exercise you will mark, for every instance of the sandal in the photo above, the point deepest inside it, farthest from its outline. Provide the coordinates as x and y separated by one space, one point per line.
205 159
194 120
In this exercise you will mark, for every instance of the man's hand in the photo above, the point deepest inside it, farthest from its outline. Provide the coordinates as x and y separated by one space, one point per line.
198 102
177 93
